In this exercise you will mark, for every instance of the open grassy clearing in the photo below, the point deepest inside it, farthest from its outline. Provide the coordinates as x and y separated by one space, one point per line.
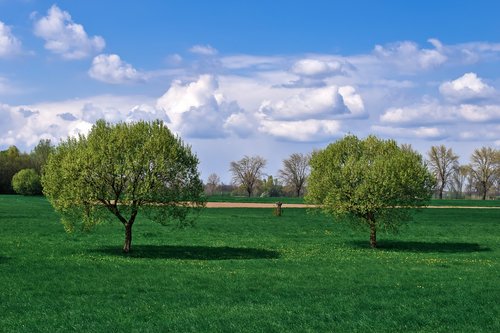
246 270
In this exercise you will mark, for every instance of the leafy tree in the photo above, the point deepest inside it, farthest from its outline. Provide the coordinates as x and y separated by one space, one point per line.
247 172
11 162
27 182
40 154
295 171
371 182
120 170
213 182
271 187
485 168
442 162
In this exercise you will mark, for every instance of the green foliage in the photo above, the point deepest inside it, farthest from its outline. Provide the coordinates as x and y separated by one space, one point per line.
11 162
27 182
40 154
369 182
245 270
119 169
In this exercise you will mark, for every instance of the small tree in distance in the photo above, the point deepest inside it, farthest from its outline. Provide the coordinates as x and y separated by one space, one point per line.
247 172
485 168
295 171
213 182
27 182
120 170
371 182
442 163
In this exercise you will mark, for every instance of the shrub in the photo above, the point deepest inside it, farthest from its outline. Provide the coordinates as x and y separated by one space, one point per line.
27 182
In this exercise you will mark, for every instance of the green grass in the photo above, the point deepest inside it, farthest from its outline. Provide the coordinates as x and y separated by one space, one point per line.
228 198
246 270
295 200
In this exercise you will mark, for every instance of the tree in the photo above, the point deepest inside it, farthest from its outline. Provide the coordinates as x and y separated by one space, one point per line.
371 182
27 182
120 170
458 179
442 162
247 172
484 167
40 154
213 182
11 162
295 171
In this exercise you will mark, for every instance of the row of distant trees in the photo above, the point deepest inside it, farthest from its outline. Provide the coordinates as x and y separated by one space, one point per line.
480 178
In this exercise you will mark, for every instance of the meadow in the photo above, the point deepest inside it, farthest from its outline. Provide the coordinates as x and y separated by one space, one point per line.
245 270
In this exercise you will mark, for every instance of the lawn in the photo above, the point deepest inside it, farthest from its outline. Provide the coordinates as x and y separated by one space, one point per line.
246 270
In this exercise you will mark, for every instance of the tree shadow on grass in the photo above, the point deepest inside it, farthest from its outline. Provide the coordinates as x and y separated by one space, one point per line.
190 252
3 260
441 247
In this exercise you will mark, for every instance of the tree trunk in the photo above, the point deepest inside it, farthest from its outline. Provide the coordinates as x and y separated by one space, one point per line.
441 192
373 234
484 195
128 237
298 192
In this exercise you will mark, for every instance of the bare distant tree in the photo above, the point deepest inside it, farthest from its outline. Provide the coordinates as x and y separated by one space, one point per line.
213 182
295 171
247 172
459 178
442 161
485 164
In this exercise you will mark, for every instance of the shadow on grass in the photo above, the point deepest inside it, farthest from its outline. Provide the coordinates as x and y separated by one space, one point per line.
3 260
442 247
190 252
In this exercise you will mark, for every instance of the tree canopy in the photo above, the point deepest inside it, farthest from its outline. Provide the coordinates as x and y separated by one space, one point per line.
295 171
442 163
120 170
247 172
27 182
371 182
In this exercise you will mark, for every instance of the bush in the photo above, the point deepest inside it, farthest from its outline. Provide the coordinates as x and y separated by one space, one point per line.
27 182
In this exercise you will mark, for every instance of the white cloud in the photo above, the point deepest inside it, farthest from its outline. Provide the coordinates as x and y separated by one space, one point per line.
205 50
423 132
9 44
310 130
466 88
66 38
408 57
314 67
480 113
110 68
416 115
198 110
317 103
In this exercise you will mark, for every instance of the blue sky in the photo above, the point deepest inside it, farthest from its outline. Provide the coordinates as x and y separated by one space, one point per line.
254 77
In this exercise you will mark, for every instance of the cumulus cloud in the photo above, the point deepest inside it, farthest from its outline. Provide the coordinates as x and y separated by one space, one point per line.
314 67
318 103
197 109
311 130
66 38
422 132
468 87
480 113
9 44
205 50
426 113
110 68
408 56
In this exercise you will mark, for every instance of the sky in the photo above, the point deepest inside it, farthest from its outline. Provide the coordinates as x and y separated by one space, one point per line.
268 78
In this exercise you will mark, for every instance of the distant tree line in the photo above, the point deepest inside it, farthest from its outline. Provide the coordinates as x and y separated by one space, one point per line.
480 178
20 172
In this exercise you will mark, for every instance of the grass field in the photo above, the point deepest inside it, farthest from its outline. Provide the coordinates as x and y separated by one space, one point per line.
246 270
294 200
